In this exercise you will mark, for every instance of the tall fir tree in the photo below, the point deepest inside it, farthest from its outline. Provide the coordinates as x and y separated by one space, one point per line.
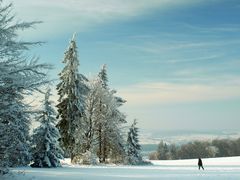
103 130
133 147
109 121
102 75
72 90
92 100
89 141
46 151
113 141
18 78
101 111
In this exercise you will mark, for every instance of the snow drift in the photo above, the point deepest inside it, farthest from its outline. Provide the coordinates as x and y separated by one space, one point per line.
215 168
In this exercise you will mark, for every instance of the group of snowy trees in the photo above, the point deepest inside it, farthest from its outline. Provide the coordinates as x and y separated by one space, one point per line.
90 122
89 125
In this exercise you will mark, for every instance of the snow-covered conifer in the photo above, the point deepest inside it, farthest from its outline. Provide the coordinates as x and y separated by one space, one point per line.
133 147
18 78
91 116
46 151
102 75
72 90
108 122
113 141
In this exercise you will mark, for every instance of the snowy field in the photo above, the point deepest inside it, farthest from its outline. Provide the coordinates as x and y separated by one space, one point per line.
218 168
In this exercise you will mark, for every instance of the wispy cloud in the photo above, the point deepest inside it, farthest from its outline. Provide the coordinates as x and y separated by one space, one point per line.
158 47
186 60
154 46
212 29
161 92
176 52
77 15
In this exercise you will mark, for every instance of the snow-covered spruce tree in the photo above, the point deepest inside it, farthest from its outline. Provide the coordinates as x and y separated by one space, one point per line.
18 78
72 90
91 102
101 111
103 121
89 141
46 151
102 75
133 147
114 134
108 122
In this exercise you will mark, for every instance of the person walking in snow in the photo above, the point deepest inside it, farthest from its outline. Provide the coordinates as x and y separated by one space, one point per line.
200 164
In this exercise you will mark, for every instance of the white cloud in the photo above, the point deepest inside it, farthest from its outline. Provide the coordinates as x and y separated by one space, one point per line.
77 15
154 47
159 92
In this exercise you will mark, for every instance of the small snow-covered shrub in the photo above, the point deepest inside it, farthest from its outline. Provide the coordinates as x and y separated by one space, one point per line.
87 158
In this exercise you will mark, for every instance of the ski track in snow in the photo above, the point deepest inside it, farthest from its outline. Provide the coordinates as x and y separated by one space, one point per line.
215 168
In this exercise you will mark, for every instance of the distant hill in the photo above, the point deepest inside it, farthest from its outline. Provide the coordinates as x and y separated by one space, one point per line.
150 137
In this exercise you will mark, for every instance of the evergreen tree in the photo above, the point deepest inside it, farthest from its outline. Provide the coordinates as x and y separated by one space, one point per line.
102 75
133 147
89 140
114 144
101 111
103 136
91 116
18 78
163 151
45 146
109 121
72 91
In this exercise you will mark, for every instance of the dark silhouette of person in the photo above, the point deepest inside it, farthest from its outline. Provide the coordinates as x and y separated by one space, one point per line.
200 164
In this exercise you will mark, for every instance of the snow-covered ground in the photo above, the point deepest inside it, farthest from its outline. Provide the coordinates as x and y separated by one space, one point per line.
215 168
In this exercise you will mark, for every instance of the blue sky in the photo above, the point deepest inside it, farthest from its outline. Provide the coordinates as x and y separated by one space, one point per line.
175 62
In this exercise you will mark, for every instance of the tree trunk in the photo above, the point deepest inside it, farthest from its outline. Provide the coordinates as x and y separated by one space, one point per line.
71 148
104 147
72 157
100 143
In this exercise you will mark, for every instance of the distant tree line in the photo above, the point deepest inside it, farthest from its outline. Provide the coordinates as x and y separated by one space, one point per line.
196 149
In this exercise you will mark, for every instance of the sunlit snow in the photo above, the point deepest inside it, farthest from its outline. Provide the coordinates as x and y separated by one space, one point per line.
215 168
